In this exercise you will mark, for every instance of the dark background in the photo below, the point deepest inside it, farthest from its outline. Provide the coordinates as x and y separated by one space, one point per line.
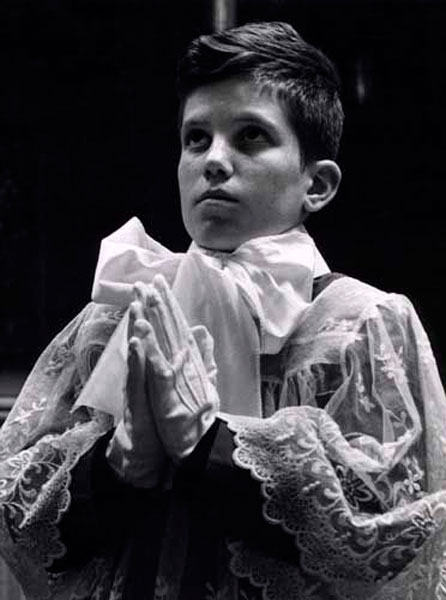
88 139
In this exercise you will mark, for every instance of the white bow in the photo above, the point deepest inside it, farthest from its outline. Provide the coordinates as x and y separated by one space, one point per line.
250 300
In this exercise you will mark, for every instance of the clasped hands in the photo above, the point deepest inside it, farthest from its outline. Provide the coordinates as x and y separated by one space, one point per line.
170 394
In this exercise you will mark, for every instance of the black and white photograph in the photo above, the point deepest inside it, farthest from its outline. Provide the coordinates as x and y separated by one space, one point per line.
222 316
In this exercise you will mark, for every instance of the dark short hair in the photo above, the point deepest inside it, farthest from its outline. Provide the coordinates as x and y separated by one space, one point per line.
277 59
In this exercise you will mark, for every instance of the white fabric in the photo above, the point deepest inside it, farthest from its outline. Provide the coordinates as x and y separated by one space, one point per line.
360 485
250 300
182 374
175 364
358 488
135 451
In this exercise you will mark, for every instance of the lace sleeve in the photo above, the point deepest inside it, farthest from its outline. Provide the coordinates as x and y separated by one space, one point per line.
40 442
357 484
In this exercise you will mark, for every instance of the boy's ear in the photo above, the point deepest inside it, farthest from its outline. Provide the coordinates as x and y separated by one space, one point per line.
325 177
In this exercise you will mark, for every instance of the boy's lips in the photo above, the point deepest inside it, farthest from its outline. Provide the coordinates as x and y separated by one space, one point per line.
216 194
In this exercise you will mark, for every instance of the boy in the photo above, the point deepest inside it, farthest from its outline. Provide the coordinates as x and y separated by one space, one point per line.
322 475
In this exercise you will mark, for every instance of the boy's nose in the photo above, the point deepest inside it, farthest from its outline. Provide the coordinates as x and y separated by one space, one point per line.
218 163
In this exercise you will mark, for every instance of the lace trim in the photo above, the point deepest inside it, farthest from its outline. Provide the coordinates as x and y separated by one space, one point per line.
40 443
343 553
34 493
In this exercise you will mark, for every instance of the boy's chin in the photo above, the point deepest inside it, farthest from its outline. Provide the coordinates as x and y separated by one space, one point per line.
218 242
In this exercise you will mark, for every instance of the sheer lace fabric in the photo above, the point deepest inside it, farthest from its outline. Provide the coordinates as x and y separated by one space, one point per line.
351 461
356 484
41 441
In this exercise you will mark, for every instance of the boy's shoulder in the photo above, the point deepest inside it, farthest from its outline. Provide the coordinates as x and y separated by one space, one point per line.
350 285
346 297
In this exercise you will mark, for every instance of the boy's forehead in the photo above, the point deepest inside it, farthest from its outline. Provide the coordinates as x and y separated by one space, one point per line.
238 97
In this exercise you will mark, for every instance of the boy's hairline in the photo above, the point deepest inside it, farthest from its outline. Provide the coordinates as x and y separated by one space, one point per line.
264 87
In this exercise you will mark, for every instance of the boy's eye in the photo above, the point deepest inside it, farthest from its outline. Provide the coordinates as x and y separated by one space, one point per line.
196 139
252 134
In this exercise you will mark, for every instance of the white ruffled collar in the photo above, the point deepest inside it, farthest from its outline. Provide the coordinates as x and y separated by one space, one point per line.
250 300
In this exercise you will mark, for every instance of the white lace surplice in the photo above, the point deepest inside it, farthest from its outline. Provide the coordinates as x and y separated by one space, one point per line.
360 353
365 356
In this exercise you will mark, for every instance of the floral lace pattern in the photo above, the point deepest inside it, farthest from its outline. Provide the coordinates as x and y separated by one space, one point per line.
362 529
358 487
344 553
40 443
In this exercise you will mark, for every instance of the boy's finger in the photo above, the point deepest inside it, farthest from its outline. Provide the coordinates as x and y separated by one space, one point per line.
163 324
177 316
140 291
156 361
136 311
141 328
135 389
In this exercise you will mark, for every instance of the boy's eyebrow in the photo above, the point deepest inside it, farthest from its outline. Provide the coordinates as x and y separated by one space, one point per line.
193 122
253 115
243 116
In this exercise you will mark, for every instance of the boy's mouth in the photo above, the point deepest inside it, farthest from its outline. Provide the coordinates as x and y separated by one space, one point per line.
216 194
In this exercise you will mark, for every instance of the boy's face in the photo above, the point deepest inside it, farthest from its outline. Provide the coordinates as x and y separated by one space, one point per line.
240 173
